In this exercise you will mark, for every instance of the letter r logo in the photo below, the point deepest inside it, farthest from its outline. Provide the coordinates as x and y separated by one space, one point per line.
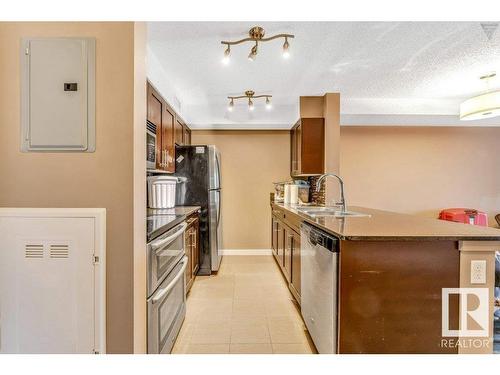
474 316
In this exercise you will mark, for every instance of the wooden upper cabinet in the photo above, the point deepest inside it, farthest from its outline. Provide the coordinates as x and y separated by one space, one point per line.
155 107
167 139
170 129
187 135
307 147
179 132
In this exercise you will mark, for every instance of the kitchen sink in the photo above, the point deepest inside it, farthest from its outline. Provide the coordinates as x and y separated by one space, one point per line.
320 211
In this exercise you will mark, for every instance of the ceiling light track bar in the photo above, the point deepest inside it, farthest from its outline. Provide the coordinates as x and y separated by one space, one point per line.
228 43
249 96
256 34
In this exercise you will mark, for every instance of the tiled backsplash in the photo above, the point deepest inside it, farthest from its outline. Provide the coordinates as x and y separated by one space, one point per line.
317 198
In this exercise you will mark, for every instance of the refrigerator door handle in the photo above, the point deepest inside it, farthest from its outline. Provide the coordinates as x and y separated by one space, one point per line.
219 182
218 207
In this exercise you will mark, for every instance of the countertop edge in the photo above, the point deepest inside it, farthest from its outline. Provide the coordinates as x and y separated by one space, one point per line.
189 210
342 236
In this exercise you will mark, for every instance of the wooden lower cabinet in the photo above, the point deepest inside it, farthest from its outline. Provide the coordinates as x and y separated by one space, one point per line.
287 254
295 282
274 236
192 249
285 244
281 244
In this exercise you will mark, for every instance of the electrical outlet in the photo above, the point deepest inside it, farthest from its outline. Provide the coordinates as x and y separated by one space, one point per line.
478 272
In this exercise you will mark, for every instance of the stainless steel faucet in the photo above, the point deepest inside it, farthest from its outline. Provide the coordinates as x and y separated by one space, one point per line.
342 198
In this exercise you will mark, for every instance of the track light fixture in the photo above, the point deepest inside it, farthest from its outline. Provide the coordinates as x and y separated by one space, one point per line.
230 106
249 95
268 104
256 34
253 52
286 49
226 58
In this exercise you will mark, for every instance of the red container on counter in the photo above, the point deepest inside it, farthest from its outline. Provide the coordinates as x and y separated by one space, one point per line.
464 215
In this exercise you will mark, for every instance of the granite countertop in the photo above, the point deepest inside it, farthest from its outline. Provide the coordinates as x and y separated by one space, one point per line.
385 225
160 220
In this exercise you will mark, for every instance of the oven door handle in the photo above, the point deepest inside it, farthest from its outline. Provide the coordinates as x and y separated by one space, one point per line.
159 244
162 292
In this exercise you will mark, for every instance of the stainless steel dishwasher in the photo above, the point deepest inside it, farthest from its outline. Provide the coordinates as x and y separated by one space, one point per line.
319 270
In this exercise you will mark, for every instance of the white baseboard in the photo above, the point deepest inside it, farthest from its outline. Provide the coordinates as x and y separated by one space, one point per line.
247 252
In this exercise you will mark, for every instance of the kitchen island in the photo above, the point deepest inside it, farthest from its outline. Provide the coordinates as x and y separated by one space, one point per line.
392 269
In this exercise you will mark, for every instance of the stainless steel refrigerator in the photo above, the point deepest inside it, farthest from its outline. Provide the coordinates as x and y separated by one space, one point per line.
200 185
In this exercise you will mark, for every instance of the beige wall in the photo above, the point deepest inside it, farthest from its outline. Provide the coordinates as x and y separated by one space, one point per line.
251 162
100 179
421 170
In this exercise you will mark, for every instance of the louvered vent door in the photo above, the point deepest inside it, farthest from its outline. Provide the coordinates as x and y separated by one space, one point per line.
47 285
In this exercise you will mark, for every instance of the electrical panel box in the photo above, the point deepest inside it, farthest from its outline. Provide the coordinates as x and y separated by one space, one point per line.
58 94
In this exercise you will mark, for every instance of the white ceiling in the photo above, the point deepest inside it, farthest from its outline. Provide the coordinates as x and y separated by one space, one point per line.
407 73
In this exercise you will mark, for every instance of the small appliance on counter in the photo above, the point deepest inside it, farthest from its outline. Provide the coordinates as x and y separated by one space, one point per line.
291 192
302 191
464 215
279 191
161 191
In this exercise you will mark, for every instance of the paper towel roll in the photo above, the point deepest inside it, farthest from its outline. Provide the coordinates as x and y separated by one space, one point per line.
294 194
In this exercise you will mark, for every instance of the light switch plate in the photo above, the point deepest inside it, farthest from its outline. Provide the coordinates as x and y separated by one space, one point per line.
478 272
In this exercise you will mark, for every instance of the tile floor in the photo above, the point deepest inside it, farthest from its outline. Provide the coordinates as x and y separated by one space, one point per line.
245 308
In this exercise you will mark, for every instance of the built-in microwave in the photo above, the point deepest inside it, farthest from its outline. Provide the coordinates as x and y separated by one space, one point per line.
150 145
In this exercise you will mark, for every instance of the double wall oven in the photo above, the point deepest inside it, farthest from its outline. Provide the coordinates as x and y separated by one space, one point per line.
166 288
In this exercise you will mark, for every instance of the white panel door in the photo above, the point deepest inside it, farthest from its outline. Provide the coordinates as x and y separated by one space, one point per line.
47 285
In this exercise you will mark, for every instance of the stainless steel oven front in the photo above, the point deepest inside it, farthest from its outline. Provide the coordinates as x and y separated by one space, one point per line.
163 253
166 310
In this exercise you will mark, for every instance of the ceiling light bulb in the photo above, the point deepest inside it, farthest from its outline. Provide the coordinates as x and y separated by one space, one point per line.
253 53
230 106
286 49
268 104
226 58
250 105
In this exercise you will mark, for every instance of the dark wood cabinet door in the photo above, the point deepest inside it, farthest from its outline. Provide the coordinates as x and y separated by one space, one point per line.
189 268
187 135
167 139
179 132
287 253
307 149
195 248
280 250
296 263
293 151
155 115
298 148
154 107
274 235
